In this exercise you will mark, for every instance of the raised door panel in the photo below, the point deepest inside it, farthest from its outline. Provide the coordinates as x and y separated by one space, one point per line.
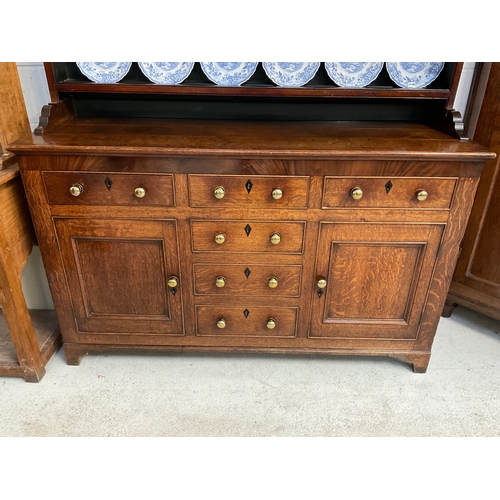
377 277
118 273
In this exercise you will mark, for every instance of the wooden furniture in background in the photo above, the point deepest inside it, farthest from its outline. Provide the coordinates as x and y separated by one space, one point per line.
476 282
27 338
280 228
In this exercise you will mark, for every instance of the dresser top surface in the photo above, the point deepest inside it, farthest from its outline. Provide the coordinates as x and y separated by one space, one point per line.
251 139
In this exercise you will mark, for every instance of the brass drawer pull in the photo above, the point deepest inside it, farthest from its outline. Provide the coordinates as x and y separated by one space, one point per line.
272 282
221 323
220 238
173 281
76 189
220 281
356 193
277 193
275 238
321 283
140 192
271 323
421 195
219 192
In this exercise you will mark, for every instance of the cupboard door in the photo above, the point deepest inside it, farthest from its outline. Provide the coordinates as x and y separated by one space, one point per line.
118 275
377 277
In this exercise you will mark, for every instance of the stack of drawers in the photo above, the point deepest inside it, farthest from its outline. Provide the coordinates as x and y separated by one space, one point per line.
248 272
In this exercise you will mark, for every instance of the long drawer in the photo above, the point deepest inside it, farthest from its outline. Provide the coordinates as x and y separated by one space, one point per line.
386 192
247 280
246 321
83 188
254 191
247 236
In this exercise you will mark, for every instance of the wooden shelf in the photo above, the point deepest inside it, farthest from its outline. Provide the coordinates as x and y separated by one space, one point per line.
251 91
46 329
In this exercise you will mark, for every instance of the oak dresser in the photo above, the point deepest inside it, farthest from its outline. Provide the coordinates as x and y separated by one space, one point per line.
257 219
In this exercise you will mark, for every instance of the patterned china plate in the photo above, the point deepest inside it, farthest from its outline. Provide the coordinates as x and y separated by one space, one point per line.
413 75
290 74
104 72
353 74
166 73
229 74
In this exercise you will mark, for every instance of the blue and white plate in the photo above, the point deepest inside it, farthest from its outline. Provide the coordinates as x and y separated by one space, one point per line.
413 75
353 74
290 74
166 73
104 72
229 74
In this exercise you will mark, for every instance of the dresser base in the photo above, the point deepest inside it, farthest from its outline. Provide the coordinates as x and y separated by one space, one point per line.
75 352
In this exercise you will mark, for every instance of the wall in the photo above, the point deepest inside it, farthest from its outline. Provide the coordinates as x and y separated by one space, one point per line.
36 94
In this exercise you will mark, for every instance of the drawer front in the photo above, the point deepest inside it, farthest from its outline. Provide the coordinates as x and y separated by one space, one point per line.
384 192
109 188
247 236
255 191
252 280
246 321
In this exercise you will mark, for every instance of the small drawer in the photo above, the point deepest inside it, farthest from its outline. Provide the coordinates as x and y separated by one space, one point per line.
254 191
247 321
81 188
247 280
388 192
247 236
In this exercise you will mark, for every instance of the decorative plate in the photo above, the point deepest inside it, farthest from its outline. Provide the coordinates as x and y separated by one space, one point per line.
166 73
413 75
104 72
229 74
290 74
353 74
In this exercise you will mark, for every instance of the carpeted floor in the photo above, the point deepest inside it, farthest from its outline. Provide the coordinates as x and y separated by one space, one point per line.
164 394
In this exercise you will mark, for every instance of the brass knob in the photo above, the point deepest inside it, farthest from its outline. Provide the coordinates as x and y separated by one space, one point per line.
421 195
140 192
220 281
277 193
356 193
271 323
272 282
76 189
275 238
219 192
220 238
173 281
321 283
221 323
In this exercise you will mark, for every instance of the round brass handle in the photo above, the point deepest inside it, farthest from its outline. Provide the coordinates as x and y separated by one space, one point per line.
356 193
219 192
173 281
275 238
277 193
321 283
272 282
220 281
76 189
220 238
271 323
221 323
140 192
421 195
